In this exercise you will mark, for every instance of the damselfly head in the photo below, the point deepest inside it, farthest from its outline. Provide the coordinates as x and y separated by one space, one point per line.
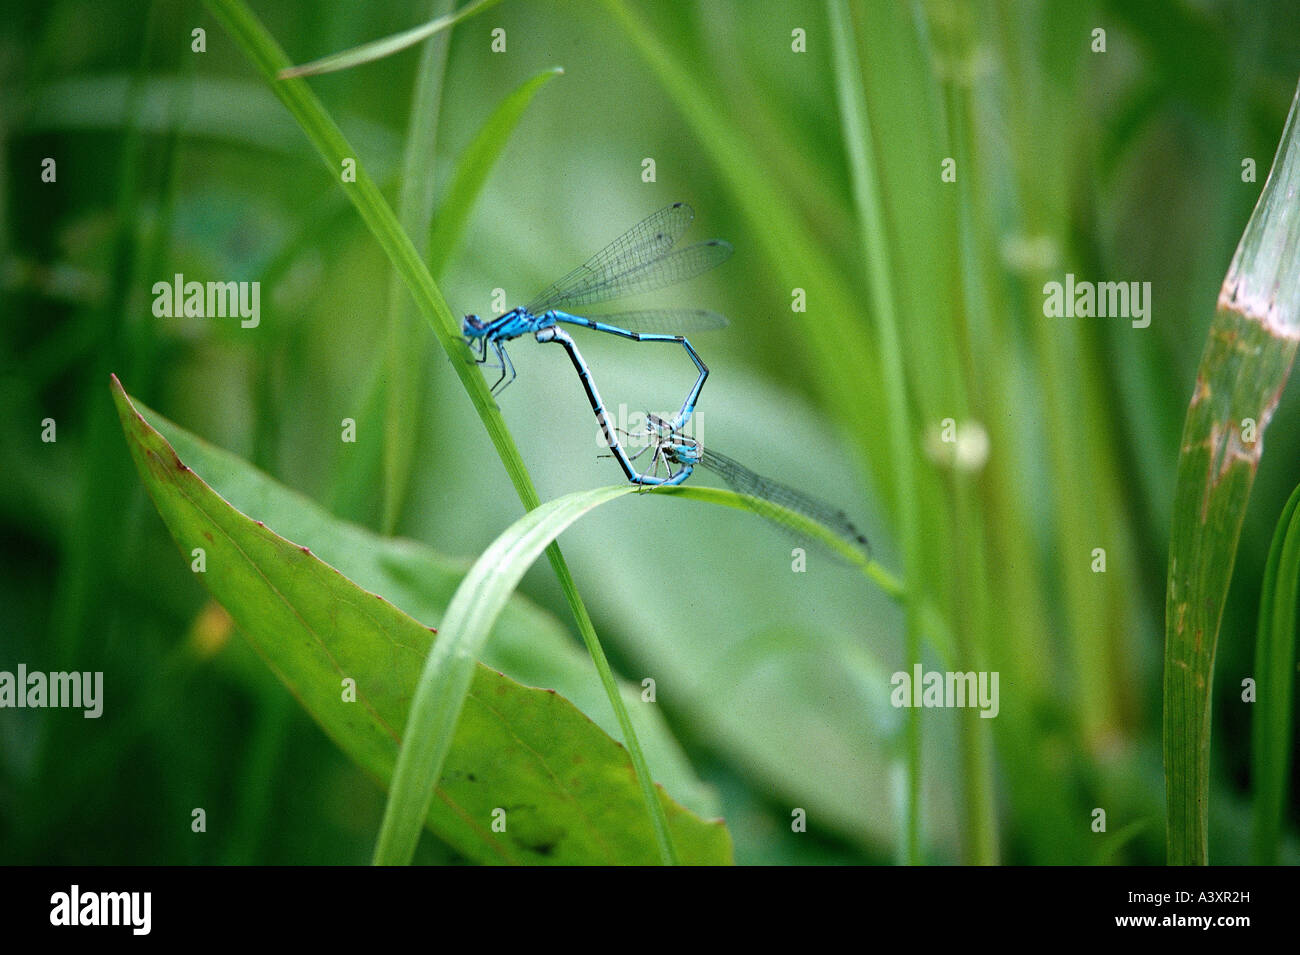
680 449
472 327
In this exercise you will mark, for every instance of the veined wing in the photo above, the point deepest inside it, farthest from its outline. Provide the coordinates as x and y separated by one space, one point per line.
644 276
762 491
647 241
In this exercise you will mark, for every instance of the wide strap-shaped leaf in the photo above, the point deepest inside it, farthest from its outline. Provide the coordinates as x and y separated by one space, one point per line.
352 659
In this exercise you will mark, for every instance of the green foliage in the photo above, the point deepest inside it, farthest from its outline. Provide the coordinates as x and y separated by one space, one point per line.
474 166
1272 728
353 660
1015 471
378 49
1243 372
333 148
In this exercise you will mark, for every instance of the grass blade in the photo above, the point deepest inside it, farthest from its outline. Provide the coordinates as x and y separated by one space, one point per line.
334 149
839 349
875 256
475 163
800 524
405 358
449 668
1243 370
1271 728
378 49
470 616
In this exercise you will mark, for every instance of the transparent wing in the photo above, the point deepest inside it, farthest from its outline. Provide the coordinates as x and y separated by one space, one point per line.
667 321
761 491
647 240
634 252
646 276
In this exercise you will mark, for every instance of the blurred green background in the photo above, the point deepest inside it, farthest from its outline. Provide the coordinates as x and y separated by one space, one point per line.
1117 166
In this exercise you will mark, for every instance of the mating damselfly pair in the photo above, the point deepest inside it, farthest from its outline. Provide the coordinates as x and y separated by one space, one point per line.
645 259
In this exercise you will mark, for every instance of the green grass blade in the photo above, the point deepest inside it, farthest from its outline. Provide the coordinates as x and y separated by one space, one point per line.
446 228
472 170
875 256
449 668
93 539
1271 726
470 618
378 49
315 628
369 202
840 351
1244 367
406 360
334 148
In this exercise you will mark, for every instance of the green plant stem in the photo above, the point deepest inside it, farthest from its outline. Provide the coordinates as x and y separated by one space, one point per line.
1272 715
974 590
875 253
974 744
325 136
840 352
414 210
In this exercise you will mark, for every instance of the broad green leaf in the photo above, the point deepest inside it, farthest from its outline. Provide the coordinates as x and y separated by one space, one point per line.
1243 371
569 789
528 645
